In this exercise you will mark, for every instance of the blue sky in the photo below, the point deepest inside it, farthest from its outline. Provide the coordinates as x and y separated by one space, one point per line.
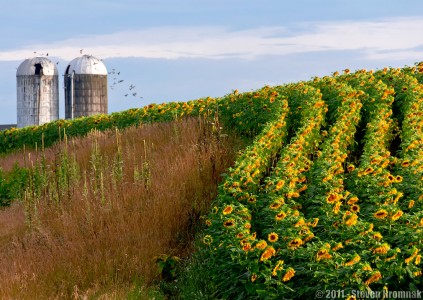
188 49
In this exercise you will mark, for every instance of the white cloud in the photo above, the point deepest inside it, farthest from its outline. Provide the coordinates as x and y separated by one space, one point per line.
393 39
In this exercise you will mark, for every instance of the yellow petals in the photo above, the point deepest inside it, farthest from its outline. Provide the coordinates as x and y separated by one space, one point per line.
380 214
288 275
353 261
227 210
268 253
323 254
383 249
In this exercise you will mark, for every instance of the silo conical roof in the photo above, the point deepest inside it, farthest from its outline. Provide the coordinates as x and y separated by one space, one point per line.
86 64
37 66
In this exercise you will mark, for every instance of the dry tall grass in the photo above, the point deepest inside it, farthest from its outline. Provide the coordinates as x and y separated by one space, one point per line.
130 196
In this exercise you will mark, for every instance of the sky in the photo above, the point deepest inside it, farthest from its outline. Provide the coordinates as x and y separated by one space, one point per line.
189 49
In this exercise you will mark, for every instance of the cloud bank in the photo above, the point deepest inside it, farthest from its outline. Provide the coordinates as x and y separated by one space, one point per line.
389 39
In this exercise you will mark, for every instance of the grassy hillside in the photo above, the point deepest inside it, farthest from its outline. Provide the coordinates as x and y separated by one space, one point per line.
97 210
327 196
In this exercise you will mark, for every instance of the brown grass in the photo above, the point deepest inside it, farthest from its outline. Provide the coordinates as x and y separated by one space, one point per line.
102 232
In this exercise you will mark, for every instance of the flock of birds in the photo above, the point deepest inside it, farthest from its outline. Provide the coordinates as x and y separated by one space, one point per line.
131 92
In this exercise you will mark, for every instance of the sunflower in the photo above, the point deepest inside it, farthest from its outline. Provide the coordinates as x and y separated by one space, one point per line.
253 277
247 225
246 247
376 276
411 204
314 223
299 223
268 253
229 223
399 195
336 207
383 249
410 259
240 235
351 221
280 216
208 222
397 215
275 205
227 210
398 178
280 185
337 246
295 243
207 240
350 168
377 236
278 267
380 214
353 261
262 244
332 198
405 163
370 229
367 267
391 257
273 237
355 208
288 275
368 171
352 200
323 254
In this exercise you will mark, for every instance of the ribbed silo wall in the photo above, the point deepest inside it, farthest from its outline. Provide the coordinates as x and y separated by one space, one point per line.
89 93
37 99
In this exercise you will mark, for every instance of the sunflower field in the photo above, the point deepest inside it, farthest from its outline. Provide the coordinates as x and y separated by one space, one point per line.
329 196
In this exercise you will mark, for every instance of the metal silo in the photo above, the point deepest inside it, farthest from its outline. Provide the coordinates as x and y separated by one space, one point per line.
37 92
85 87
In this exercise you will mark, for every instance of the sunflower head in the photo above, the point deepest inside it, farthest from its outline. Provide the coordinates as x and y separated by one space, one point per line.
355 208
262 244
207 240
295 243
227 210
380 214
280 216
268 253
288 275
229 223
273 237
